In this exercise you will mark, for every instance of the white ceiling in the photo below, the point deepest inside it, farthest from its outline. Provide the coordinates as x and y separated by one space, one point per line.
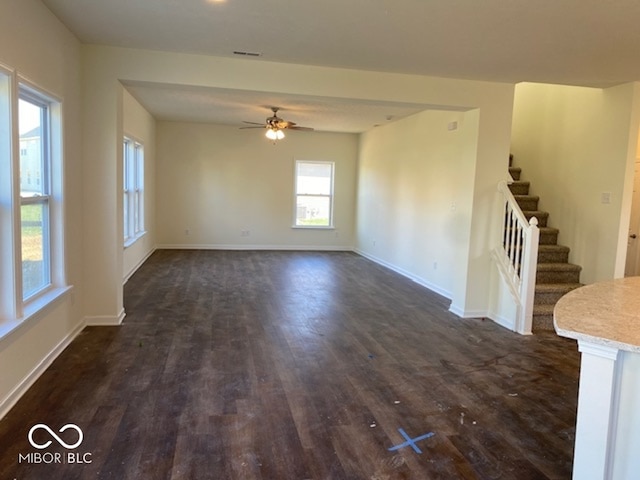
576 42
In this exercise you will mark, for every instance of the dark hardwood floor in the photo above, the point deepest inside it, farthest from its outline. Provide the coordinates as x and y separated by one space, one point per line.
296 365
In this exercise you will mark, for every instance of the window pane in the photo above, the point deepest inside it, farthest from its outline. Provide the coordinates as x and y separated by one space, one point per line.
314 178
126 215
133 215
32 154
312 210
35 267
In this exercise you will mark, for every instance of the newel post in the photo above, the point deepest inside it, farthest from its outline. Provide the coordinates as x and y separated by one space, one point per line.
528 285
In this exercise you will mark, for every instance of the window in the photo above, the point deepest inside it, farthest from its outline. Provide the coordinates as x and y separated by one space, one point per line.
133 182
314 194
32 272
35 197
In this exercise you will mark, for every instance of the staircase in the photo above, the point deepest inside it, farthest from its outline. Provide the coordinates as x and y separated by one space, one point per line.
555 275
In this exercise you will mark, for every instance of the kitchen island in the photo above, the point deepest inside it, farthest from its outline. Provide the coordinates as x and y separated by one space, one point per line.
605 320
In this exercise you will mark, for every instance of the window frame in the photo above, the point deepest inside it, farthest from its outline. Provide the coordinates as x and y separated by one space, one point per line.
28 94
16 305
330 195
133 189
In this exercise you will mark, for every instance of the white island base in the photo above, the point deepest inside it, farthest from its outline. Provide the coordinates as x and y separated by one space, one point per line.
605 320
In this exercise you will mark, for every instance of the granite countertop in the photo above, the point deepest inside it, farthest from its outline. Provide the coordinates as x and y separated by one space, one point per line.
604 313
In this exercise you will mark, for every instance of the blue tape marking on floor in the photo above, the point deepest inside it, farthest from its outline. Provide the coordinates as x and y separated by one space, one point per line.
411 442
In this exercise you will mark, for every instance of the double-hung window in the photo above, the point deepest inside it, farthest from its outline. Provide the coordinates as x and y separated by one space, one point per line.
35 191
32 272
314 194
133 187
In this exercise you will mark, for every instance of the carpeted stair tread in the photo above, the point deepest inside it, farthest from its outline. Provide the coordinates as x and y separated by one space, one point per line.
556 287
527 202
557 273
544 309
518 187
535 213
526 197
555 267
515 172
553 253
550 293
555 248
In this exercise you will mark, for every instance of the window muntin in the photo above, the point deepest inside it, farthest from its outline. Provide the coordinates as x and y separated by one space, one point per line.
314 194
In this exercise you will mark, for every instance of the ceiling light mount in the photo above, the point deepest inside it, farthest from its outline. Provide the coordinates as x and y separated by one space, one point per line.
275 125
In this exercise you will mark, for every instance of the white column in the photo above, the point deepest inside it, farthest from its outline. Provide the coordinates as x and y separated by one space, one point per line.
597 412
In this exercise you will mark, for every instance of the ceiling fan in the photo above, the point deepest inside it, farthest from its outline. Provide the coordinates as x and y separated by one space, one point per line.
275 125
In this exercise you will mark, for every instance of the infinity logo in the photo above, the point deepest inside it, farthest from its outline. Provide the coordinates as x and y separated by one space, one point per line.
58 439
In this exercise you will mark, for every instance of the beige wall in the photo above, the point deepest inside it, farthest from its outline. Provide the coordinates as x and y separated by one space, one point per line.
574 144
34 44
139 124
217 181
415 196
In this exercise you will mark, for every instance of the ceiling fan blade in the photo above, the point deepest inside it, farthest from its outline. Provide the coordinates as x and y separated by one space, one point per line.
276 123
244 128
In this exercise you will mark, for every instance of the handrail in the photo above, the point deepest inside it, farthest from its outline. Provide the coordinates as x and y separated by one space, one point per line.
517 257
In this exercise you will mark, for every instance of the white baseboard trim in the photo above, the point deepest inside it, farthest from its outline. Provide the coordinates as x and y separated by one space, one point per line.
10 400
137 266
105 320
191 246
502 321
462 313
405 273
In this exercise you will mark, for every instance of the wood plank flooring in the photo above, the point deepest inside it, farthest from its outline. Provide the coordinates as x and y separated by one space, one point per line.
297 365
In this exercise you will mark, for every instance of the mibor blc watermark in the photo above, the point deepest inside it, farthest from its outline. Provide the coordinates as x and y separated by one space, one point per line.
55 457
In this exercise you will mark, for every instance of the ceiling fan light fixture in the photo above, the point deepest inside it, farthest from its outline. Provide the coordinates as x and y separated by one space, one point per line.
274 134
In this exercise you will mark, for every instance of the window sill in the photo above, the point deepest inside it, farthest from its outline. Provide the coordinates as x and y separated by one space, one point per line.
313 227
130 241
33 310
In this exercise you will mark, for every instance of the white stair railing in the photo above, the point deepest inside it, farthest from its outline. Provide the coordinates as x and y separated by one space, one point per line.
517 257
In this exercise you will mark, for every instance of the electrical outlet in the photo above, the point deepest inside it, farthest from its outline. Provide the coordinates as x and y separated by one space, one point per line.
187 232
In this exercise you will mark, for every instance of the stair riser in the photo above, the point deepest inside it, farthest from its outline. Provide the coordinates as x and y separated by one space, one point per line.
548 238
528 203
548 298
518 189
558 277
553 257
542 323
